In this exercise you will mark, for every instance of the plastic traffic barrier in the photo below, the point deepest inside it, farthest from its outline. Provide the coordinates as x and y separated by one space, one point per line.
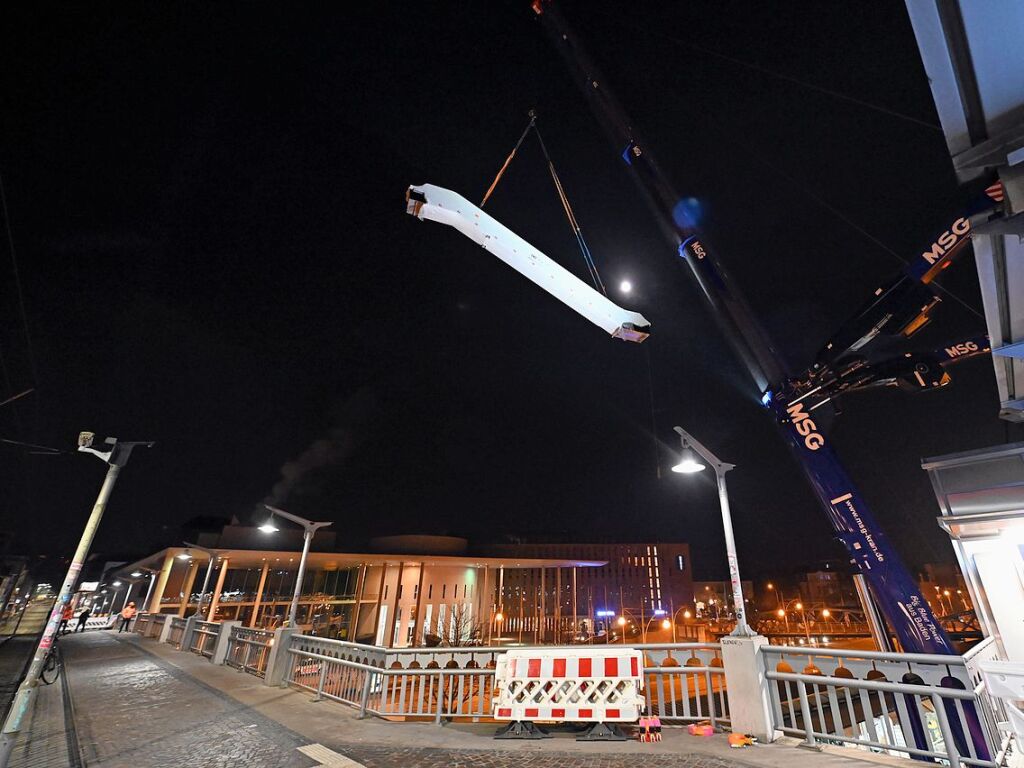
586 685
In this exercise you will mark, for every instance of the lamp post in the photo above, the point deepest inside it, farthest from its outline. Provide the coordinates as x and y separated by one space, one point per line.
149 589
309 528
212 554
689 464
798 605
114 454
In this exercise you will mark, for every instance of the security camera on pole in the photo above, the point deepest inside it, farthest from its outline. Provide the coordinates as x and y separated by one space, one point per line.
115 454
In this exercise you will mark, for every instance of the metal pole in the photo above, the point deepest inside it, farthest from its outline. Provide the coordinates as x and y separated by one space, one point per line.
742 629
27 689
575 615
127 594
206 583
293 612
149 591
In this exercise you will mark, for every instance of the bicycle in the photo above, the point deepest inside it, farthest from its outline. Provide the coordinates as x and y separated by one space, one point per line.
53 664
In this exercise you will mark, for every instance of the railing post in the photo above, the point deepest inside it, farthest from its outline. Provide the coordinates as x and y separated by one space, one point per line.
440 697
246 648
364 700
320 683
222 643
186 635
747 686
278 656
709 683
947 734
805 713
165 631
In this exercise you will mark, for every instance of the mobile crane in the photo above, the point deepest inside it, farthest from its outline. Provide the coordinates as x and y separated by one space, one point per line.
898 308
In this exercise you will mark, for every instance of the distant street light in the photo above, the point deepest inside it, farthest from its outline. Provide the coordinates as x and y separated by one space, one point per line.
309 528
115 454
212 554
689 464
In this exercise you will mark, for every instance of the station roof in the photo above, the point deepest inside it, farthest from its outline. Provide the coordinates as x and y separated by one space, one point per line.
253 558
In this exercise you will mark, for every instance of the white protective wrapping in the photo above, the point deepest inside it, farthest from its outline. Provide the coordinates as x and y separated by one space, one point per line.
426 201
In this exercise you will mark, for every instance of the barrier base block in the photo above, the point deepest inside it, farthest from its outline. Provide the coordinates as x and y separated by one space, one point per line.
521 729
602 732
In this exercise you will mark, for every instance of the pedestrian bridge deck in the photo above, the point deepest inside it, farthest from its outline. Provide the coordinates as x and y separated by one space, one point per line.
139 703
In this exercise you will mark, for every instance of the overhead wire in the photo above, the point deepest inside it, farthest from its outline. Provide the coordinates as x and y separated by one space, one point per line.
778 75
17 283
803 187
39 449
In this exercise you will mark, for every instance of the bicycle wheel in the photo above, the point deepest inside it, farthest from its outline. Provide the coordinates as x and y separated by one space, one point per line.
51 667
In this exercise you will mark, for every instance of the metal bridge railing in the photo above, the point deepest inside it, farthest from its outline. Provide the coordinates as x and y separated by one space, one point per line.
156 624
142 622
909 705
177 632
249 650
204 638
685 682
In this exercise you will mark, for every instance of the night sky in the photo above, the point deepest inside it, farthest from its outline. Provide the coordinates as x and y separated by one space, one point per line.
207 208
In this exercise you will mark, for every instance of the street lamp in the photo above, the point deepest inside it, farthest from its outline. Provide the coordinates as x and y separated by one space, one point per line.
309 528
141 573
689 464
115 454
212 554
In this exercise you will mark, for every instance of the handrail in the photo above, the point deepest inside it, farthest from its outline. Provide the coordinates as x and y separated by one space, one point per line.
900 658
976 649
872 685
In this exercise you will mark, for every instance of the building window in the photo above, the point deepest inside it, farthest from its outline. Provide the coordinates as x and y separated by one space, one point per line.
681 562
444 591
430 591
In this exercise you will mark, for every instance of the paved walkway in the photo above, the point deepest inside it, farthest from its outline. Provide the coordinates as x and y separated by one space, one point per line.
139 704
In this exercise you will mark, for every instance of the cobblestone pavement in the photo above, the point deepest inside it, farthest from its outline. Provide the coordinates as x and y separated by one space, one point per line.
390 757
14 656
134 710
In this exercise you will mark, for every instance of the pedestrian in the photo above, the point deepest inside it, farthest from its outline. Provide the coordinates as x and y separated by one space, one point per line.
127 614
82 618
65 616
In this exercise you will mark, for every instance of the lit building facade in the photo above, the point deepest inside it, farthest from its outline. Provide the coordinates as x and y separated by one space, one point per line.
639 581
390 600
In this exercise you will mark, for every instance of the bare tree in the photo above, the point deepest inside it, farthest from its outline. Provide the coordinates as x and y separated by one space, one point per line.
458 627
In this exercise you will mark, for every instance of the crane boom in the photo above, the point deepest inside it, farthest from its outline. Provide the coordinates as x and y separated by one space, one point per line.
899 598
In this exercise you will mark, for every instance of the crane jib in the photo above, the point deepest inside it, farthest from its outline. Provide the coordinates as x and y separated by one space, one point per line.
899 597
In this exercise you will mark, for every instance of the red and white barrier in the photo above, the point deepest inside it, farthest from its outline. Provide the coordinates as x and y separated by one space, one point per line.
564 684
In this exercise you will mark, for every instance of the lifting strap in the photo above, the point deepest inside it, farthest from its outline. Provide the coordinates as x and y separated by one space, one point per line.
490 189
584 249
569 213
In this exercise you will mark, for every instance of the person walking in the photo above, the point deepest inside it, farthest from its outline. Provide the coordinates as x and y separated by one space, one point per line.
127 614
65 617
82 618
